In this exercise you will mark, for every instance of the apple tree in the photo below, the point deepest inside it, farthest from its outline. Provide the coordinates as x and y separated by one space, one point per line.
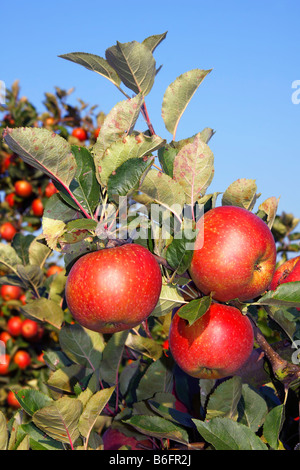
121 387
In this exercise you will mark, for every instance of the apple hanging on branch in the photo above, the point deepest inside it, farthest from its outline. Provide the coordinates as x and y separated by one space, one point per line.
121 288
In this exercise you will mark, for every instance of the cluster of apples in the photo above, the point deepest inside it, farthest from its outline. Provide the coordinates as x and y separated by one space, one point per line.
235 259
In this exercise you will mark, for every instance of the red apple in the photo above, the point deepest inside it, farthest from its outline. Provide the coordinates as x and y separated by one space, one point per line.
215 346
50 189
23 188
10 199
37 207
54 269
289 271
12 400
14 326
113 439
235 257
4 364
79 133
7 231
8 292
22 359
29 328
5 337
113 289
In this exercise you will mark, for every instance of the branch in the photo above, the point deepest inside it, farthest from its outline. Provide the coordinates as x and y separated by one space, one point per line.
284 371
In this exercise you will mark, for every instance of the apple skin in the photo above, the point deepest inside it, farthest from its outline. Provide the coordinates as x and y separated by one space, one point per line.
7 231
9 292
289 271
215 346
238 256
113 289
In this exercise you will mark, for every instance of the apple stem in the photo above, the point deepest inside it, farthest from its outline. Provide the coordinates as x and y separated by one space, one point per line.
144 112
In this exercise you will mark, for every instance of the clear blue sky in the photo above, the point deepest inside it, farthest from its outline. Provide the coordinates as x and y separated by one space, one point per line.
252 47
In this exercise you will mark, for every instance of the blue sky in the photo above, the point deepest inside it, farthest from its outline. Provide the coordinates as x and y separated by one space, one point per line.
252 47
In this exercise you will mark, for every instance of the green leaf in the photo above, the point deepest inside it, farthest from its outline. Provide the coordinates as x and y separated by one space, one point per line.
178 95
81 345
38 440
180 251
223 402
44 310
169 298
92 410
252 408
32 276
170 412
38 252
3 432
94 63
287 294
225 434
44 150
195 309
153 41
56 215
127 176
241 193
132 146
135 65
32 400
166 156
273 425
161 428
85 186
21 244
112 355
8 257
64 379
269 207
163 190
157 378
144 346
193 169
59 420
119 122
205 135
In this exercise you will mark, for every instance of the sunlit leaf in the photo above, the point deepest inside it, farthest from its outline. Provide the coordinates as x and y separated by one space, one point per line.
178 95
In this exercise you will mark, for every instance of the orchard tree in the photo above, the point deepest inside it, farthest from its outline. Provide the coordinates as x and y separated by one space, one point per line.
163 331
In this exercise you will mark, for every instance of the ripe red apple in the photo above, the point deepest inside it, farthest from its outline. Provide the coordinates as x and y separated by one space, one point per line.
215 346
37 207
289 271
236 257
113 439
54 269
10 199
5 337
12 400
96 132
29 328
14 326
4 364
7 231
8 292
113 289
79 133
50 189
22 359
23 188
